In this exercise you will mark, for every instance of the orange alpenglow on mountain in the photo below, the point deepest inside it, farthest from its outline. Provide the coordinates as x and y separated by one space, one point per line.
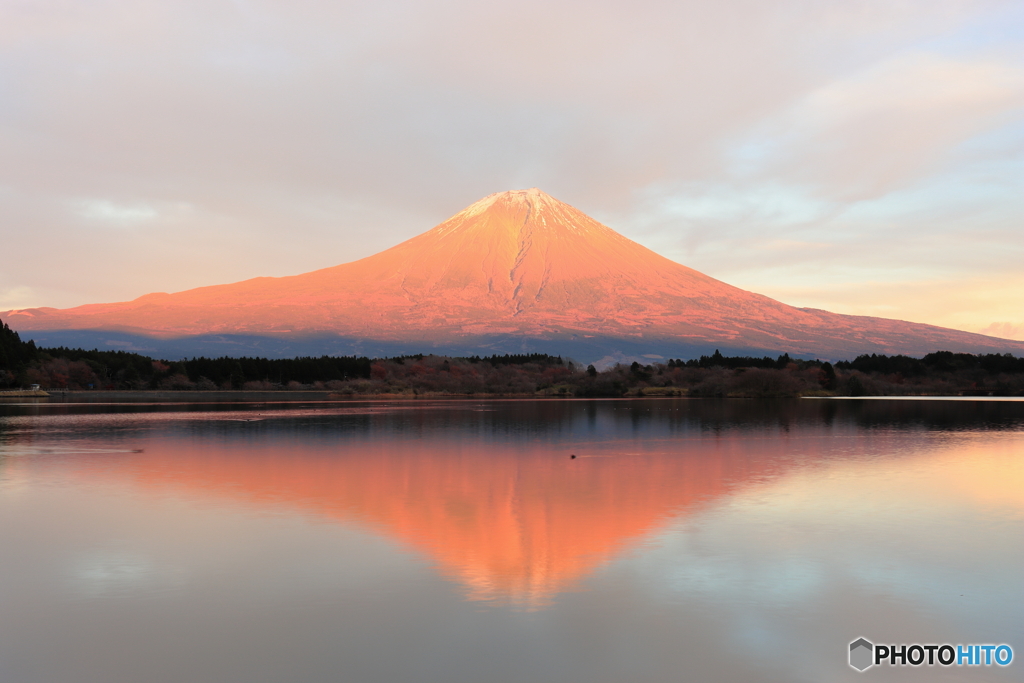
515 265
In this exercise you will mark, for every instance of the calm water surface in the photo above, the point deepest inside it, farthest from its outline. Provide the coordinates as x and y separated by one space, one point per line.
459 541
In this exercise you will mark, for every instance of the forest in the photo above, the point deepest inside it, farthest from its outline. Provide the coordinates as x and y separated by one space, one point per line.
22 364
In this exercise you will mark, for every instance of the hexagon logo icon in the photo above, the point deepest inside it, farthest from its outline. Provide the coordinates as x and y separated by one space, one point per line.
861 654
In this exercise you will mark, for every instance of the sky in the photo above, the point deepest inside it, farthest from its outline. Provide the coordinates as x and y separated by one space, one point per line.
864 157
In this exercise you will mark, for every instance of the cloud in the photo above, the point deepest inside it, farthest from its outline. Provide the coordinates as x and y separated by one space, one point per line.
1004 330
108 213
18 297
882 129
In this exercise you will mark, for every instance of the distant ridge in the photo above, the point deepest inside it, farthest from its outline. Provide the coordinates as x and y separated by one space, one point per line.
515 271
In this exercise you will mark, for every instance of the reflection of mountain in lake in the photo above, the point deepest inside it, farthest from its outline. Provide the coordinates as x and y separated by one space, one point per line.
488 489
511 523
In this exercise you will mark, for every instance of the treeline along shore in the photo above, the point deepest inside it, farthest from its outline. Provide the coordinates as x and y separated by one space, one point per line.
23 365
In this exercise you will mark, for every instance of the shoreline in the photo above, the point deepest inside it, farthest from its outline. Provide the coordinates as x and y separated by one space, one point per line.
97 397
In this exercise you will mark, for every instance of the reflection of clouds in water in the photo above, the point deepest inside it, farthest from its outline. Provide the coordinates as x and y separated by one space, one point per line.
111 573
856 530
761 637
772 580
13 481
768 591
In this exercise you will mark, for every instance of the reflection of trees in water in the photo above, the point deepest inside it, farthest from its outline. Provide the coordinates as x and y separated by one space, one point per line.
932 415
511 419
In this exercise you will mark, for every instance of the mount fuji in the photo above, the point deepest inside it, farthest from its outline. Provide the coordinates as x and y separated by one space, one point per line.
516 271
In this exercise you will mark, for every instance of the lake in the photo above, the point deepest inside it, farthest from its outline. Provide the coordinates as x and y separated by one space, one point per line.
460 541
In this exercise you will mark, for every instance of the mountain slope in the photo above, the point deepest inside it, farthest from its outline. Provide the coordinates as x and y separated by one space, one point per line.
517 263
